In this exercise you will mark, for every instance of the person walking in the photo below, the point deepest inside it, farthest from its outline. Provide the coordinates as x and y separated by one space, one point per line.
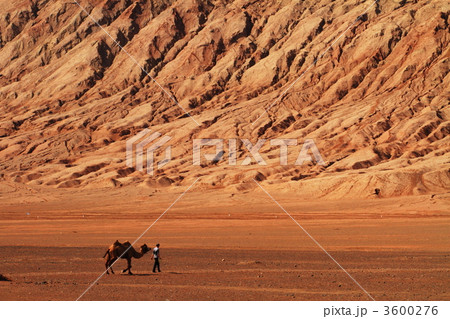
156 257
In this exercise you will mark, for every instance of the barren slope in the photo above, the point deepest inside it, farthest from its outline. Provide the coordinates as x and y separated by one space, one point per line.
376 103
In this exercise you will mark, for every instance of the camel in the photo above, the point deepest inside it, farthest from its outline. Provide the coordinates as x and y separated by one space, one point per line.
117 249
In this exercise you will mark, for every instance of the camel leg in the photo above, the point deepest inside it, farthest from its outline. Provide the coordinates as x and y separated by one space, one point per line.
129 266
106 266
110 265
108 257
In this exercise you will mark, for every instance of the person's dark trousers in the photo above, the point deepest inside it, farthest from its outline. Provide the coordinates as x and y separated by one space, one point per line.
156 265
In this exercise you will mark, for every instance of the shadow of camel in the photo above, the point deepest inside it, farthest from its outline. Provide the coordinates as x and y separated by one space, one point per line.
155 273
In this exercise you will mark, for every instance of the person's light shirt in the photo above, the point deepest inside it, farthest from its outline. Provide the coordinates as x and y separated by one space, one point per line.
155 252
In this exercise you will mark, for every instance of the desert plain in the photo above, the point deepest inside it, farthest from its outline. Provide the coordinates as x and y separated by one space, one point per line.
240 247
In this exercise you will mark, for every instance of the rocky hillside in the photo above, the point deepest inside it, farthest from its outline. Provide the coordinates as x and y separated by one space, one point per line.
376 102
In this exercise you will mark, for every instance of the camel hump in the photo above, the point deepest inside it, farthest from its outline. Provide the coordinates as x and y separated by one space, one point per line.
117 242
127 243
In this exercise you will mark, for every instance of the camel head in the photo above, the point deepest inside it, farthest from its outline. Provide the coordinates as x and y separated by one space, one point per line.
144 249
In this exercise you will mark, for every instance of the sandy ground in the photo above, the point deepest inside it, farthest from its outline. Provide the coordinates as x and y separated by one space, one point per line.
240 247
